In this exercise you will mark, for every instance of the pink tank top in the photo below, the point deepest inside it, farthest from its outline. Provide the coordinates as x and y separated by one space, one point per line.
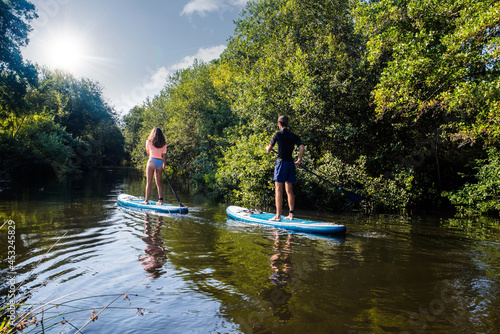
154 152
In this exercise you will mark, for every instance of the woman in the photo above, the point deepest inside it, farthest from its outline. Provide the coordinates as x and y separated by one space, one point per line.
156 147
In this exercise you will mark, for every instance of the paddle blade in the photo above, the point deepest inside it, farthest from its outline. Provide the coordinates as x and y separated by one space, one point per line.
353 197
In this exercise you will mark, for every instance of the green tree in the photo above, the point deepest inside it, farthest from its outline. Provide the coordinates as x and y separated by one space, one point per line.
40 148
16 75
79 106
303 59
193 117
70 128
437 63
131 131
440 63
482 196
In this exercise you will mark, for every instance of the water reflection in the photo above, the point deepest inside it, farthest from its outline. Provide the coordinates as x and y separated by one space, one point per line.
156 255
387 275
277 297
280 261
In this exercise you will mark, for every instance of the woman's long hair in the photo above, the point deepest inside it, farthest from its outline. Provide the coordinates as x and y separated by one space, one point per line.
157 138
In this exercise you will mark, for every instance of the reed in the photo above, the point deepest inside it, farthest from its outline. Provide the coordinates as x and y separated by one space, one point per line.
42 316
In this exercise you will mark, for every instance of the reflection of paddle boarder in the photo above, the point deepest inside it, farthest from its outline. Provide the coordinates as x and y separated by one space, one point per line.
280 261
156 256
284 171
278 295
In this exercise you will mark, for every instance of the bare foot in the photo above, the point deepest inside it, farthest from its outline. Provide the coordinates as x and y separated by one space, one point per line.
145 202
160 202
275 219
289 217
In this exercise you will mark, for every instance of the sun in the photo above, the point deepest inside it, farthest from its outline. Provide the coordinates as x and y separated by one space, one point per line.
67 52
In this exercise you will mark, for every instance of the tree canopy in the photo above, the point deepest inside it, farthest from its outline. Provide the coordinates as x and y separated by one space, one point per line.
51 123
394 100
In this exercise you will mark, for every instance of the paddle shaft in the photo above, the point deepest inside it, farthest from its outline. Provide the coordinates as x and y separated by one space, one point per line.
170 184
353 197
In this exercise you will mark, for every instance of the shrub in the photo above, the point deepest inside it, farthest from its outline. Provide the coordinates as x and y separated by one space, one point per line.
483 196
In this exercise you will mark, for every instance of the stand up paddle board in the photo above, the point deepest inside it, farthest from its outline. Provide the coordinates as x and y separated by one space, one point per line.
135 202
299 225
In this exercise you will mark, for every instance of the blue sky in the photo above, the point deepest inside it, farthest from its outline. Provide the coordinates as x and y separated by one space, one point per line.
129 46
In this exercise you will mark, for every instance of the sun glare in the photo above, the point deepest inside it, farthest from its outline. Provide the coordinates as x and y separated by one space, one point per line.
66 52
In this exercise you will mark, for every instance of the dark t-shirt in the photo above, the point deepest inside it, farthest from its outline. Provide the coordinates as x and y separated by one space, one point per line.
286 141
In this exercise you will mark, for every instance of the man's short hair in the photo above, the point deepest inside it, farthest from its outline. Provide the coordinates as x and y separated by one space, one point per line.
283 120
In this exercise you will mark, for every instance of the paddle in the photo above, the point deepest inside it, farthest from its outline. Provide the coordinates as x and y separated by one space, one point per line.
170 184
353 197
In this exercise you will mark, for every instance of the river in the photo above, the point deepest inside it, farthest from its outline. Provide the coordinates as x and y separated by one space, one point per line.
82 262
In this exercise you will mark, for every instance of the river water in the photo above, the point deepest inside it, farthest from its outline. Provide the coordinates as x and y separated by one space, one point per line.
78 254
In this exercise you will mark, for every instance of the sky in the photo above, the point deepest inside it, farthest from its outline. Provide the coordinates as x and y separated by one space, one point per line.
129 46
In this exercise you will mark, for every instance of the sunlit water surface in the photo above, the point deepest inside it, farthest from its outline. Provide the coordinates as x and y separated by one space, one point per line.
79 254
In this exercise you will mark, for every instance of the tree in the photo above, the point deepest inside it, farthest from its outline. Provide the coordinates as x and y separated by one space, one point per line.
132 126
438 89
15 74
192 115
439 63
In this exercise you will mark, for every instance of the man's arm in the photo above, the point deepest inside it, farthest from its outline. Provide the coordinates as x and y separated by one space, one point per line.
271 144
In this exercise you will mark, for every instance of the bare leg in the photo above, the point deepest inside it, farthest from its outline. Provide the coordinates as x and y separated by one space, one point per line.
149 180
158 185
291 199
279 200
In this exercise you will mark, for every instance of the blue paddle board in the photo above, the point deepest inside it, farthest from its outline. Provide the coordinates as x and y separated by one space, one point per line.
299 225
136 203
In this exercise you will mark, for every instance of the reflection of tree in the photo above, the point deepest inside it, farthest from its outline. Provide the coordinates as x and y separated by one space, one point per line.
156 256
277 296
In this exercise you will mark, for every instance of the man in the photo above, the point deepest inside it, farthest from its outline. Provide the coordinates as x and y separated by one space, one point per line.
284 171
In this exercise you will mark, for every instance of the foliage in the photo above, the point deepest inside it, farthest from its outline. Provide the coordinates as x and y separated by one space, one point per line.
439 63
379 192
16 75
484 195
244 174
40 147
132 125
67 127
301 59
194 119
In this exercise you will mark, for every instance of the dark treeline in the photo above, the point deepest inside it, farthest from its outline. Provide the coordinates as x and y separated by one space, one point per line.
395 100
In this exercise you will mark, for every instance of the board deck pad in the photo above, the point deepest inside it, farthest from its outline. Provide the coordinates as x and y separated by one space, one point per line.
131 201
300 225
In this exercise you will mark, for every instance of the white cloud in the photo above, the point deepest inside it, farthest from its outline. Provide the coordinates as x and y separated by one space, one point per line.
204 6
156 80
203 54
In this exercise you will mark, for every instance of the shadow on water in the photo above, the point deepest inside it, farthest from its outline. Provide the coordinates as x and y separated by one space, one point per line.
204 272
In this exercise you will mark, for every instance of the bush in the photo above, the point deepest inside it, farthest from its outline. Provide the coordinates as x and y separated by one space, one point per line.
380 193
40 147
245 172
483 196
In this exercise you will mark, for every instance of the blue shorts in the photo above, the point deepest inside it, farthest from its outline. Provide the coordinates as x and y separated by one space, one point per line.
158 162
284 171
